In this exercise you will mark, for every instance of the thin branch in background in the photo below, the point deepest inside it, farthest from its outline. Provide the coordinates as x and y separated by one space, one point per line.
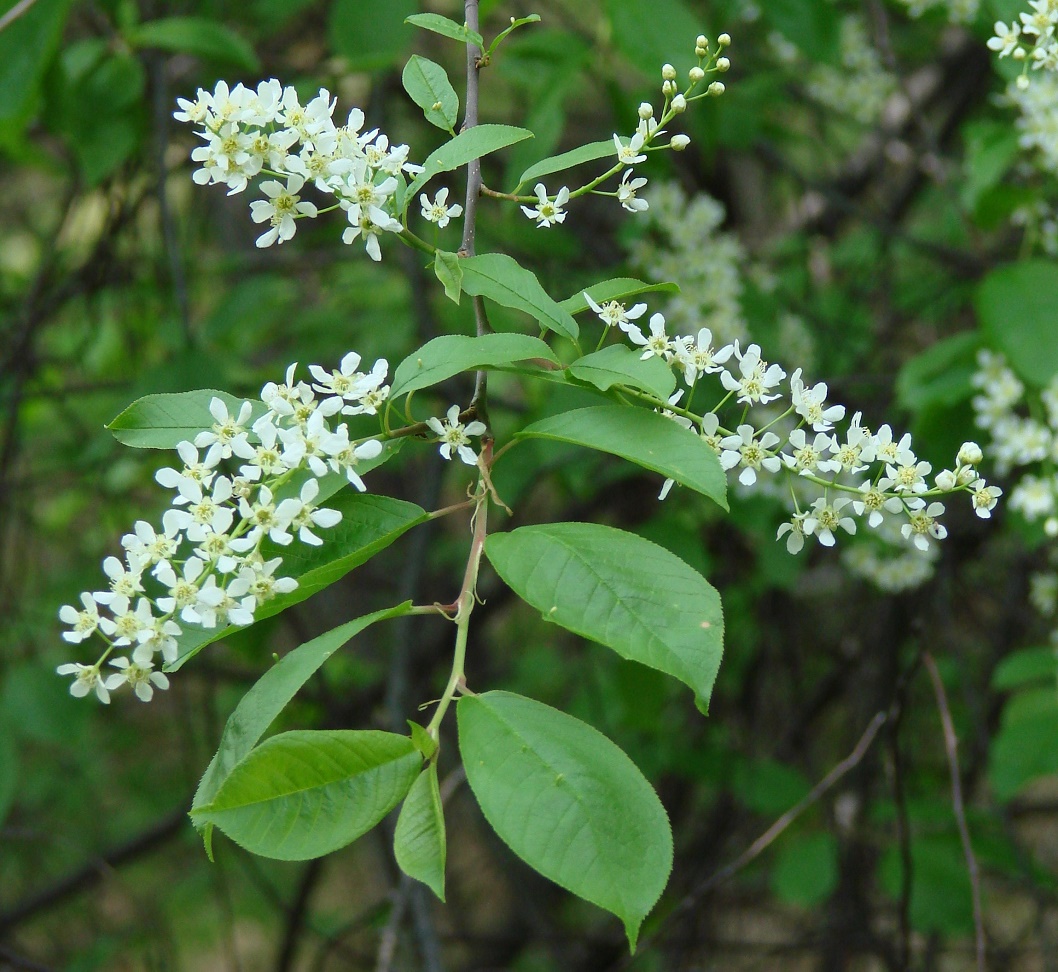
765 840
387 946
951 745
297 913
15 12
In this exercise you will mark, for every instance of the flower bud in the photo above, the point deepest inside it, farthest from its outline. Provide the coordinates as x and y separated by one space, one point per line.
965 475
696 74
969 454
701 41
724 40
679 142
1019 54
945 480
701 53
679 103
668 88
1022 82
646 110
668 72
722 64
1050 526
716 88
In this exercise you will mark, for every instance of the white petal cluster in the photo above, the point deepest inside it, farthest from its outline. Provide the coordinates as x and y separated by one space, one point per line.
1024 438
786 427
208 566
454 435
268 132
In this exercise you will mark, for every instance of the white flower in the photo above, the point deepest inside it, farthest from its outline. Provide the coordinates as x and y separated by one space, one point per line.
281 208
439 211
348 383
262 584
746 450
83 623
548 212
695 355
795 528
195 470
183 589
626 193
368 222
808 403
857 450
1006 38
922 524
264 518
614 314
984 498
659 344
808 456
87 679
756 376
225 428
453 434
344 455
970 454
872 501
908 477
302 514
888 449
142 678
217 605
149 546
824 518
631 153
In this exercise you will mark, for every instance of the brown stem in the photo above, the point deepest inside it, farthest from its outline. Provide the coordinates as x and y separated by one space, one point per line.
951 746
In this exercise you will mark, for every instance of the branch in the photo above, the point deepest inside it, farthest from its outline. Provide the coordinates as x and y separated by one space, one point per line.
951 745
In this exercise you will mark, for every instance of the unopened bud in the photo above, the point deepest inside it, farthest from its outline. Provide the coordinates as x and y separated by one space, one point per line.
970 453
679 103
724 40
722 64
946 480
1022 82
701 41
668 72
668 88
646 110
716 88
701 53
1019 54
679 142
696 74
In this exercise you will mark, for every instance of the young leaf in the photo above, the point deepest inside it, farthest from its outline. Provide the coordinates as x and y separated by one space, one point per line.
1018 305
567 160
446 28
447 269
450 354
568 802
270 695
428 86
422 740
646 438
303 794
502 279
619 590
419 840
199 36
369 524
163 421
620 288
621 365
465 147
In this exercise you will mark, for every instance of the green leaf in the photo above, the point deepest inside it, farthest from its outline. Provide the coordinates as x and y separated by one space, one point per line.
422 740
644 437
568 802
620 288
370 34
806 870
464 148
369 524
1026 746
419 840
428 86
303 794
163 421
1018 306
1025 666
446 28
991 149
502 279
270 695
620 365
445 356
940 375
26 48
567 160
447 269
650 37
619 590
203 38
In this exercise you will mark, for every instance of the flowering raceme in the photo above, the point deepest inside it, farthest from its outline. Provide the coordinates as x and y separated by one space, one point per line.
206 568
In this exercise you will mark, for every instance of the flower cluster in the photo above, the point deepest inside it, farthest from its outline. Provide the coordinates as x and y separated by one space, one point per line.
835 479
1019 440
1029 39
208 566
268 132
547 209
